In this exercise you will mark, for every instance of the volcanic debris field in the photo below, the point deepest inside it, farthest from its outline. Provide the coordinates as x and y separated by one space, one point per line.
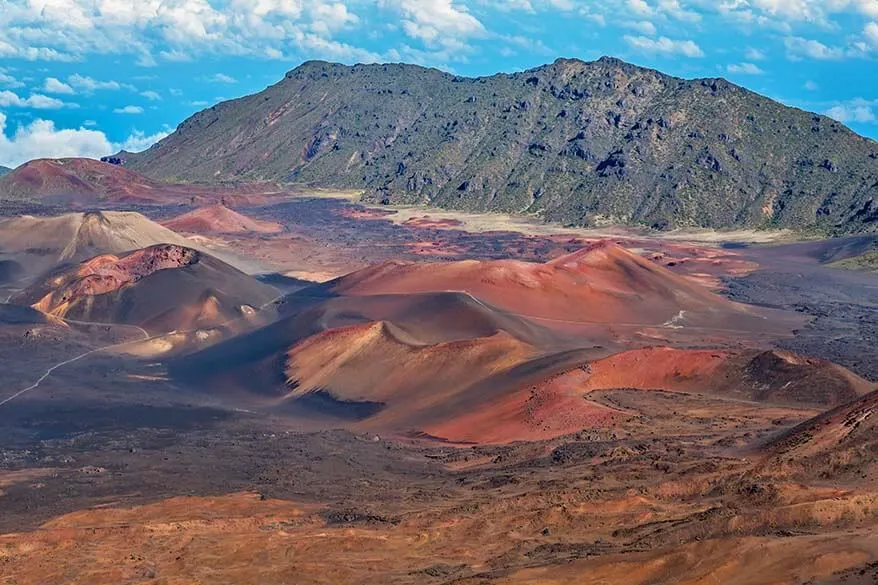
705 441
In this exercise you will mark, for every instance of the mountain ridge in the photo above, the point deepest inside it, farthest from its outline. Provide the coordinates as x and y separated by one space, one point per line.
573 142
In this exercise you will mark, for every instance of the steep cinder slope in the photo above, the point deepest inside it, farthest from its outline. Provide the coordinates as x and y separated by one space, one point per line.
575 142
162 288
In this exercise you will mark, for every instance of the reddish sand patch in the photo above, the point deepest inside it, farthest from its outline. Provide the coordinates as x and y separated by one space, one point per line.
427 222
219 219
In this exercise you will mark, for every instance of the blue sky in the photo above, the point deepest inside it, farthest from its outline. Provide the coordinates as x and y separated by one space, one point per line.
86 77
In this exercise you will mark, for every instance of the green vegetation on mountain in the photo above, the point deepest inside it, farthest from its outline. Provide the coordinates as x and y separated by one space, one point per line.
867 261
572 142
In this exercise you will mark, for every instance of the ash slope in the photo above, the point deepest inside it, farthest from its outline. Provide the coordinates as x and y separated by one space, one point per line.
162 288
31 246
575 142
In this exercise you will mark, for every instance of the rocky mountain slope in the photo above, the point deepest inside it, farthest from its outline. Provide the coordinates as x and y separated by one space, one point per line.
574 142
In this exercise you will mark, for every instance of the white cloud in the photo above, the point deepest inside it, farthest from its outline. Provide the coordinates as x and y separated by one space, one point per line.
745 69
222 78
640 7
798 48
139 141
151 95
870 32
853 112
437 23
90 84
41 139
53 85
644 27
37 101
755 55
9 81
148 30
665 46
129 110
811 86
673 9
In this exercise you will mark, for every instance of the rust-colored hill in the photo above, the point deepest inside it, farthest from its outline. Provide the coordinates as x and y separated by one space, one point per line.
842 442
77 178
604 283
88 181
772 376
219 219
161 288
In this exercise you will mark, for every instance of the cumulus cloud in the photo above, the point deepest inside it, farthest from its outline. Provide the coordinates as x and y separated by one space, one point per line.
854 112
644 27
9 99
139 141
745 69
665 46
53 85
180 29
128 110
755 55
152 96
90 84
798 48
442 23
9 81
222 78
41 139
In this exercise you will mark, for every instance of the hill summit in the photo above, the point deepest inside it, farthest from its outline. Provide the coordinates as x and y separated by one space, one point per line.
581 143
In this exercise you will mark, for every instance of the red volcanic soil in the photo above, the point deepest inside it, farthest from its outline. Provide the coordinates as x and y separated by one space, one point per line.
546 410
604 283
219 219
86 181
460 391
427 222
773 376
77 177
842 441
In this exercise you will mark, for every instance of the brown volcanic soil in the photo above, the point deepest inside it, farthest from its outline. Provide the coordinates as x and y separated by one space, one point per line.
162 288
219 219
842 442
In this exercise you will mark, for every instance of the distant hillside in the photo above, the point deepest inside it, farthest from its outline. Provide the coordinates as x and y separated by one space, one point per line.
575 142
86 181
4 170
